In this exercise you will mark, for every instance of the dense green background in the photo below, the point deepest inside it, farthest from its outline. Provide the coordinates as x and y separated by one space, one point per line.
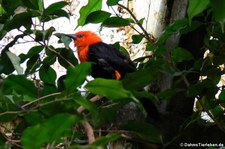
43 113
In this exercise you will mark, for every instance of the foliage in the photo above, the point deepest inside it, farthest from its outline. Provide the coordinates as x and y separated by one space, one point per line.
44 112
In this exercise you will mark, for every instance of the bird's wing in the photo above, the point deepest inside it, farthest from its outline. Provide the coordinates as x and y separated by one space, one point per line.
110 56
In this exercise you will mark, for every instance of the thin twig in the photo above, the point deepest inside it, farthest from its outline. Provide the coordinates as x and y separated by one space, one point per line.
48 103
186 80
113 131
10 112
15 143
138 23
129 25
221 127
41 98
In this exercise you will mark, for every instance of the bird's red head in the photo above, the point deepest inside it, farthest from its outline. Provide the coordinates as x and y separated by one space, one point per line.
86 38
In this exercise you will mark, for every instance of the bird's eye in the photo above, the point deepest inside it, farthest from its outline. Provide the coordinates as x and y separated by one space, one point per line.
80 36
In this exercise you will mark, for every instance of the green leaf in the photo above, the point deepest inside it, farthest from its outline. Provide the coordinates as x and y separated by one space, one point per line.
33 117
195 7
32 64
218 7
105 116
21 19
104 141
217 111
11 5
124 50
112 89
97 17
43 35
136 39
192 27
60 83
48 33
86 104
179 24
20 84
160 51
2 10
47 74
33 4
39 36
6 65
145 131
51 130
68 55
49 89
169 93
76 76
145 77
116 22
93 5
64 39
7 105
112 2
55 7
57 14
222 95
180 54
33 51
15 62
54 11
141 21
121 48
49 60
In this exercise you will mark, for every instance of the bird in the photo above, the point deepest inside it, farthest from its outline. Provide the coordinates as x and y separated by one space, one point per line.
108 61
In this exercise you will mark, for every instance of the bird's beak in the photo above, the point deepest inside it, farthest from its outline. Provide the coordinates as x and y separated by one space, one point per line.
73 36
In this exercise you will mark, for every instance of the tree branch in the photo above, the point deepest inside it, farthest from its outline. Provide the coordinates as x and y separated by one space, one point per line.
87 127
93 99
146 35
89 131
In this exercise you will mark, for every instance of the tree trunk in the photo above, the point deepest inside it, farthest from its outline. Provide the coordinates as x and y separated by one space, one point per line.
174 121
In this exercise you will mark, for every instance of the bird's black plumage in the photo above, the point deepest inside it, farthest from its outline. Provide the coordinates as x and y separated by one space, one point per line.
108 59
